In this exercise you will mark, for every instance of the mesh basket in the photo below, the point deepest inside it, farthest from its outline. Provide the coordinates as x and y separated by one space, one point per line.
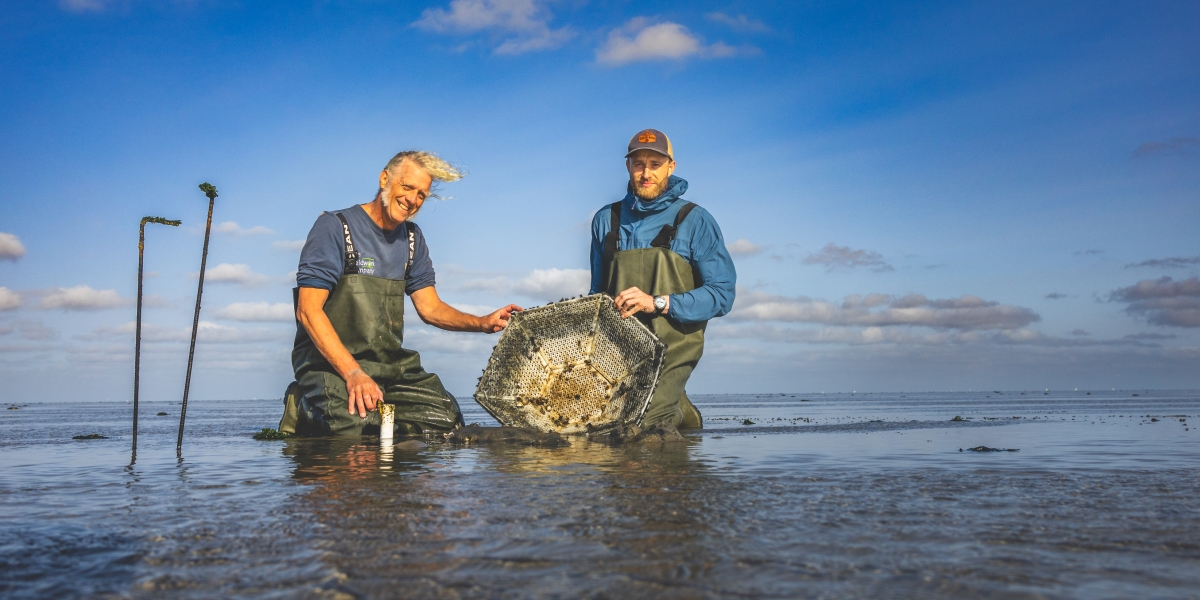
571 367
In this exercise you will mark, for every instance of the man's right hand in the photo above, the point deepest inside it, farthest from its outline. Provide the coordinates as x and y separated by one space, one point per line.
364 393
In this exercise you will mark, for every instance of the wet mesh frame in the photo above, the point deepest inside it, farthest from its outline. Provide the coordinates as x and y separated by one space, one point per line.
573 366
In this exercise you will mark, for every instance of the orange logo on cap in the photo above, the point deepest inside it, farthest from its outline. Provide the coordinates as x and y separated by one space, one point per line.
647 138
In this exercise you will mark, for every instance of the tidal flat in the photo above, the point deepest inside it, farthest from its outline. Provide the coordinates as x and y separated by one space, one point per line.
781 495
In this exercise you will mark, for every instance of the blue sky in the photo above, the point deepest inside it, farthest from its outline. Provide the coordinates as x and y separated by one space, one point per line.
919 196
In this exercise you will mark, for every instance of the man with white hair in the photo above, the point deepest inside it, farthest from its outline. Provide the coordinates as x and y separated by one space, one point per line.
355 268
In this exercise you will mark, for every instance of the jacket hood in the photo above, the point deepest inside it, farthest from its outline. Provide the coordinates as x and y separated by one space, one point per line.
676 186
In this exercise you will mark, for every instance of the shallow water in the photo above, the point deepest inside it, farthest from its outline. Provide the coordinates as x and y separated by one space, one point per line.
821 496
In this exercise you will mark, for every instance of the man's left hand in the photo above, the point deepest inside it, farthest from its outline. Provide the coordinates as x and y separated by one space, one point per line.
633 301
498 320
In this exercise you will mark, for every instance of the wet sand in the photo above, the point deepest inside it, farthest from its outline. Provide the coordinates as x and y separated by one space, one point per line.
837 496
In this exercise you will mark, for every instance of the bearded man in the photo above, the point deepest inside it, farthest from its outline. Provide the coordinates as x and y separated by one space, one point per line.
355 268
664 259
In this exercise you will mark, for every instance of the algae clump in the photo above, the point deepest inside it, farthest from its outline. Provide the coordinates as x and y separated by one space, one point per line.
268 434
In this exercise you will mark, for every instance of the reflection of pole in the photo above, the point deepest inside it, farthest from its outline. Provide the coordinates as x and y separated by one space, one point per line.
137 344
211 192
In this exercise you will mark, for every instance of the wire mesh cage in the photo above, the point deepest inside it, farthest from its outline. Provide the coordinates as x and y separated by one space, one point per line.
573 366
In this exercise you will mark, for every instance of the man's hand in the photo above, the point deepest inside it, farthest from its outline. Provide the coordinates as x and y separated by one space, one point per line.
498 320
363 393
633 301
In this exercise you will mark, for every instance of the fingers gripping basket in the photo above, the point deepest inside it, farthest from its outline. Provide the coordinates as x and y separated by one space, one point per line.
572 367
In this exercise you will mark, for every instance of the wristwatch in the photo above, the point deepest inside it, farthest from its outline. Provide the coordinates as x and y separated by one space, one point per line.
660 304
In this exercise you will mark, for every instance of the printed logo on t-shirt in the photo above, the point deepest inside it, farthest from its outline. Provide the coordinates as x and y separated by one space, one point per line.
366 266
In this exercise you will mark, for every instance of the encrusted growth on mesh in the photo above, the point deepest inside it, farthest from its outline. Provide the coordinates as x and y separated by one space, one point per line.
571 367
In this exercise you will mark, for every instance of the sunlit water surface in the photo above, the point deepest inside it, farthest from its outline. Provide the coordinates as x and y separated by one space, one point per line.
822 496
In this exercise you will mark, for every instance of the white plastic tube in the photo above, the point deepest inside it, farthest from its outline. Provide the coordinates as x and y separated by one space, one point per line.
387 416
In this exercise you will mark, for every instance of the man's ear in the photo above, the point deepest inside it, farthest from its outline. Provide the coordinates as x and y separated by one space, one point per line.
383 179
671 169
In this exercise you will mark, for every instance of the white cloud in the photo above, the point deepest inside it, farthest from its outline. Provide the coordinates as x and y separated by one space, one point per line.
288 246
207 332
739 23
232 228
879 310
239 274
639 40
81 297
842 258
526 22
10 247
495 285
9 299
1163 301
743 247
257 311
552 284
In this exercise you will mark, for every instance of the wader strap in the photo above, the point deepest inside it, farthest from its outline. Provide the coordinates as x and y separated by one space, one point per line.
614 235
667 234
351 267
412 249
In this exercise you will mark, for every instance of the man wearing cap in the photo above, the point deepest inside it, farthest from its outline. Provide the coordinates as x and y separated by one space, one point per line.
355 268
664 259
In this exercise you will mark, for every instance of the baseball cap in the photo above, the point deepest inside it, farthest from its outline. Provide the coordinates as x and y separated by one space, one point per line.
651 139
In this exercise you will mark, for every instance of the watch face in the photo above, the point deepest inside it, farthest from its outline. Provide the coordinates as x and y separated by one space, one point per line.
660 303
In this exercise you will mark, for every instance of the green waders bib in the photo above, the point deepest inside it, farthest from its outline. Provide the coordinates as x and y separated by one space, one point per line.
367 313
658 271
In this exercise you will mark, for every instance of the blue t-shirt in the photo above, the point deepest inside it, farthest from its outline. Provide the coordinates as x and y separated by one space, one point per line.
380 253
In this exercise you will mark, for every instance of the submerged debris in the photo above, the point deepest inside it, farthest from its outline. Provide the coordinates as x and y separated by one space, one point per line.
747 422
478 434
958 418
630 434
90 436
162 413
986 449
268 434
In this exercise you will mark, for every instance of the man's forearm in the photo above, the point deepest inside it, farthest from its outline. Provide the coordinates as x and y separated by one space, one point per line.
433 311
444 316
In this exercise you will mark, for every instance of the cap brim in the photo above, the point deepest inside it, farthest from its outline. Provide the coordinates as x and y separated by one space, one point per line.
650 149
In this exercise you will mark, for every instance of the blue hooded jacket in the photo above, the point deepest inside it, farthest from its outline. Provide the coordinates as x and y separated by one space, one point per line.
699 241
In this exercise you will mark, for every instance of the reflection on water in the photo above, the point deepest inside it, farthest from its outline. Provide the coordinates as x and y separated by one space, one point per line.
846 496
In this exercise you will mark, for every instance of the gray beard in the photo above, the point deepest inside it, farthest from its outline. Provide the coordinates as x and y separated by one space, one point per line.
383 198
653 193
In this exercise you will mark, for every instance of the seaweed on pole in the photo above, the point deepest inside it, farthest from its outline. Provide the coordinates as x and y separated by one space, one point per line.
137 344
210 191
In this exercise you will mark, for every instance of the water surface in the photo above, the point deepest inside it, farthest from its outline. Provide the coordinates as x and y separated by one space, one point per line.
782 495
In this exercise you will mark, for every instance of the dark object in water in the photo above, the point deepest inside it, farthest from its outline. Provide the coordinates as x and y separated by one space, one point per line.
14 408
478 434
409 446
1153 420
162 413
90 436
268 434
632 434
958 418
986 449
747 422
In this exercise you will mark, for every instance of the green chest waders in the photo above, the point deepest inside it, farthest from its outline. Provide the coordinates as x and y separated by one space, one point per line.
658 271
367 313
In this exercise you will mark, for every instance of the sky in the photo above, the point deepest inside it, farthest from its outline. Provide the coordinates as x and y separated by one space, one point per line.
919 196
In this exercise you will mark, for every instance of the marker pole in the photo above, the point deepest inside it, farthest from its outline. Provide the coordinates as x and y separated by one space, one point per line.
211 192
137 344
